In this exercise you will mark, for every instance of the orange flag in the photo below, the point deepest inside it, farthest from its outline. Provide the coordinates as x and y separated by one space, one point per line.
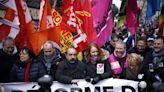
46 29
38 38
26 25
45 18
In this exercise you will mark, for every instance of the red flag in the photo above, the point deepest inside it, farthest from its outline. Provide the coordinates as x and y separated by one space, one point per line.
78 21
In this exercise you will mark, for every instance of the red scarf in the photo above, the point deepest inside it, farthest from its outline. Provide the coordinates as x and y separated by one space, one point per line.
27 71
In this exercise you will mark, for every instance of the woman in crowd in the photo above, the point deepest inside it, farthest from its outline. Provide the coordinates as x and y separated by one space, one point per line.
135 71
96 66
28 68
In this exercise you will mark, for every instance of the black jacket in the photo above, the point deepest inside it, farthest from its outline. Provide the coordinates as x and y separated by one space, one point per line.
91 70
67 71
109 47
18 71
157 71
6 63
53 67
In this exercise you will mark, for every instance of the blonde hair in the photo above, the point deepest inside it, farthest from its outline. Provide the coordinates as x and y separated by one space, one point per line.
135 59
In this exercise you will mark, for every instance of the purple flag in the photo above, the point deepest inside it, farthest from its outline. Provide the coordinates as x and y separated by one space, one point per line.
132 13
102 17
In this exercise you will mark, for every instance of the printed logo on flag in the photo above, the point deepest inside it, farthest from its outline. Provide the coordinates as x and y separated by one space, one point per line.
100 68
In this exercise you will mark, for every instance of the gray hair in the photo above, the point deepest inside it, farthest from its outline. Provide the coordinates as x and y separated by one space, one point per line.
121 42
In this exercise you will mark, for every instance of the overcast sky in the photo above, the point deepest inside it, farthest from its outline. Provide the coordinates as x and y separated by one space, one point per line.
117 3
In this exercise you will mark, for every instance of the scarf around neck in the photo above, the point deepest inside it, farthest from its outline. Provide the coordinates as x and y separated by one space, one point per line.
27 71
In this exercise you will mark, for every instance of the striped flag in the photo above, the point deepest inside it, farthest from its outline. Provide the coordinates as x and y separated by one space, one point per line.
9 24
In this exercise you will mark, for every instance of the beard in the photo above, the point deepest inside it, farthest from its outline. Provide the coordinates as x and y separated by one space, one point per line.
72 60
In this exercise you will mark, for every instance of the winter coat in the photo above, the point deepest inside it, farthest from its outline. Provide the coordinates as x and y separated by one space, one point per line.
18 71
67 71
51 69
6 63
157 70
91 70
118 65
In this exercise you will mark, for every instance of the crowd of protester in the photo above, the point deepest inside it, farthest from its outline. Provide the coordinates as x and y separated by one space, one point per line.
140 58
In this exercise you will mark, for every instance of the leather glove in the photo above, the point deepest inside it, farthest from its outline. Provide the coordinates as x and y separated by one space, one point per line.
95 80
88 79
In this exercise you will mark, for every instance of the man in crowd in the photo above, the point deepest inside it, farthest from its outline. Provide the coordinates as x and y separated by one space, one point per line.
70 69
141 47
154 60
110 46
50 55
8 54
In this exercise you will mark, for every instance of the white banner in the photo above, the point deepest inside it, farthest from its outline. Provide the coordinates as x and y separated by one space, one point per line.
107 85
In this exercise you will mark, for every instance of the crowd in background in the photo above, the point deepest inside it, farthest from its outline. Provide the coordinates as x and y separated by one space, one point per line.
136 57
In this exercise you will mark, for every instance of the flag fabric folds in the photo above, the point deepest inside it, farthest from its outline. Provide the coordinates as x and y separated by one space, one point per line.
152 7
46 27
103 23
161 22
9 23
37 39
45 17
77 24
132 13
26 25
